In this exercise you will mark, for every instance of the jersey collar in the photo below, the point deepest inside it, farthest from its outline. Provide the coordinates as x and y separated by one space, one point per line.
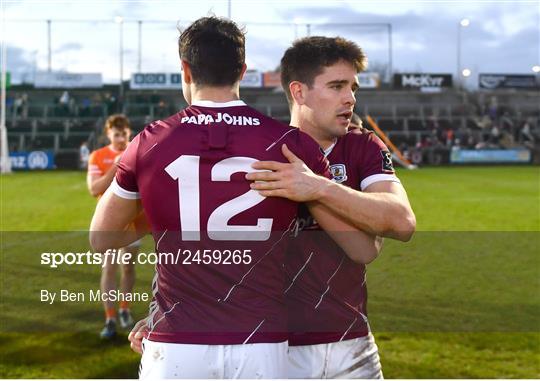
328 151
202 103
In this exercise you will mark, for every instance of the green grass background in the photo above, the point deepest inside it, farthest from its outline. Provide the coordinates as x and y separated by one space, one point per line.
461 300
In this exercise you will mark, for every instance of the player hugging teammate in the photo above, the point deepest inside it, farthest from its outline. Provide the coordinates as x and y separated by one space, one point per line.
218 184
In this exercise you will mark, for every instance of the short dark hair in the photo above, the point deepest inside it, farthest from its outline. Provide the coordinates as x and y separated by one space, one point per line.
215 50
308 57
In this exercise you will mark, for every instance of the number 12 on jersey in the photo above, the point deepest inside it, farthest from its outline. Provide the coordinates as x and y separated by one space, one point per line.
186 169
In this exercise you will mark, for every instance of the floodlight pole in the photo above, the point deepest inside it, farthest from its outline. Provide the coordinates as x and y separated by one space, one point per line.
5 163
139 58
390 68
458 77
462 24
121 44
49 50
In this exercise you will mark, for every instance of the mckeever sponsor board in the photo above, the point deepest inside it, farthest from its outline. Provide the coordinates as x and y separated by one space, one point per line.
507 81
422 81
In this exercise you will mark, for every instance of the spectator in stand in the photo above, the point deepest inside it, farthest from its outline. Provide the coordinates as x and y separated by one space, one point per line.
72 106
64 99
97 99
526 138
24 106
471 141
162 109
17 105
482 142
495 136
427 142
111 102
449 137
437 137
433 120
20 106
507 123
467 137
84 154
493 109
507 140
481 104
85 107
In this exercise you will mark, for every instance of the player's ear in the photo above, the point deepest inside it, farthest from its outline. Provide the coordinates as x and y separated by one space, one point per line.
186 71
298 92
243 71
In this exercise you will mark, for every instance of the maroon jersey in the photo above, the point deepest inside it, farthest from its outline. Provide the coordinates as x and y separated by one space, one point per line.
326 291
222 246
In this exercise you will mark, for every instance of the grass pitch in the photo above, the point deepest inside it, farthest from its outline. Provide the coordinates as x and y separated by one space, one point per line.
461 300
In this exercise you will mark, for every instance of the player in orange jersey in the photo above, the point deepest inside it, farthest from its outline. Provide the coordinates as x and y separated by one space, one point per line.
101 171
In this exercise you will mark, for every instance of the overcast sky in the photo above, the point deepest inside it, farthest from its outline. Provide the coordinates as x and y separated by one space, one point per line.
503 36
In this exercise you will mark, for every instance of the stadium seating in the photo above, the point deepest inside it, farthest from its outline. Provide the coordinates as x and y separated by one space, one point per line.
389 124
408 117
74 140
45 141
52 126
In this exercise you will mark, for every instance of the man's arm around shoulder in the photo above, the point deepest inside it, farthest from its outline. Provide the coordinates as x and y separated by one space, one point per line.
383 209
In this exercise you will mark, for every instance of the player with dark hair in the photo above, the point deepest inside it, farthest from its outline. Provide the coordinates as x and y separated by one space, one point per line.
326 291
219 309
102 166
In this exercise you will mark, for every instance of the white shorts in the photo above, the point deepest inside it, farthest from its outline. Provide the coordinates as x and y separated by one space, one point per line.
355 358
168 360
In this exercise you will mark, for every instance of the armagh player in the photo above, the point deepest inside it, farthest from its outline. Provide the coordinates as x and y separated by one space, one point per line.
219 307
326 292
102 166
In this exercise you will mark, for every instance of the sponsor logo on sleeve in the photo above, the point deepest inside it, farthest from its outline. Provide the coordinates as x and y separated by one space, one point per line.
387 165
